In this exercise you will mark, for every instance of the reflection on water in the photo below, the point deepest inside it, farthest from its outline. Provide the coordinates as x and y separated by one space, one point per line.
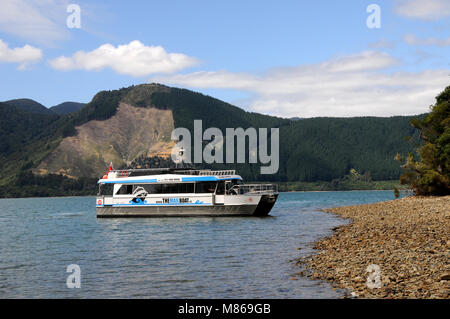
223 257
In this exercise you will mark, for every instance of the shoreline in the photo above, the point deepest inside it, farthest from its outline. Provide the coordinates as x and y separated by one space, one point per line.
408 239
350 190
353 190
35 191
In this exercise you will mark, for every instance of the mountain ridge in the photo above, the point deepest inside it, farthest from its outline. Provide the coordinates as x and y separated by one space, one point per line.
29 105
310 149
67 107
32 106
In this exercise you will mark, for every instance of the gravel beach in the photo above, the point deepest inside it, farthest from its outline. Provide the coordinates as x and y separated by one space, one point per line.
394 249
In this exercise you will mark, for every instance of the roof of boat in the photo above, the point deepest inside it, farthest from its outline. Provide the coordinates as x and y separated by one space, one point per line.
167 175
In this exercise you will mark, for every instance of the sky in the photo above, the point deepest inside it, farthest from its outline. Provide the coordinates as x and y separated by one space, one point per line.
283 58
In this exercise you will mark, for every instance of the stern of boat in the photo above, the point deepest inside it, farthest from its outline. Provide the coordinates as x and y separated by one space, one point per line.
269 195
265 205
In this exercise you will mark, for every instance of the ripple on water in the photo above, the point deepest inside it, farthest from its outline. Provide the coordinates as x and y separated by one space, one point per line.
164 257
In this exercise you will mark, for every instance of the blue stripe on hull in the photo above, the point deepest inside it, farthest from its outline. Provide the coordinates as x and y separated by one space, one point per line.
169 204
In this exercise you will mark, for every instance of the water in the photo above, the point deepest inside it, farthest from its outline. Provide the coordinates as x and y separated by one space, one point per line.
203 257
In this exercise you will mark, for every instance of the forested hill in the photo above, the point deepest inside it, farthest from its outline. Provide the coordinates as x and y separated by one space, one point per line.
32 106
67 107
51 154
316 149
327 148
29 106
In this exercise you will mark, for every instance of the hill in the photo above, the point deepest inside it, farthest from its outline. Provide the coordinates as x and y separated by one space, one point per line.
131 127
29 106
67 107
327 148
18 127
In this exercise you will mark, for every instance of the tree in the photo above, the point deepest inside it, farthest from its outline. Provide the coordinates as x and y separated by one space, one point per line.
431 175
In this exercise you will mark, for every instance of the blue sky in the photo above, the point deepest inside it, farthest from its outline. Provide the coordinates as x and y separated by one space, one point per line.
286 58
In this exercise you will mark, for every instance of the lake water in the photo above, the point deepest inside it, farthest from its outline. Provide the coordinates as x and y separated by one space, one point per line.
222 257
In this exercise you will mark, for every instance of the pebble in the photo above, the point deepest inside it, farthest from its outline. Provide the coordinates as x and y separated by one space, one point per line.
408 239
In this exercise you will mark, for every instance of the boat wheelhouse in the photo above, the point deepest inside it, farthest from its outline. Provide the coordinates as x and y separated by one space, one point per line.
181 192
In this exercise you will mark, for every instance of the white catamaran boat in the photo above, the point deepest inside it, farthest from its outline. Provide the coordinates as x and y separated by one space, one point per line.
181 192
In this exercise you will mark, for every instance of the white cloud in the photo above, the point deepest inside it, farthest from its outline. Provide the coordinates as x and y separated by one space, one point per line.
369 60
382 44
423 9
40 21
357 85
133 59
413 40
24 55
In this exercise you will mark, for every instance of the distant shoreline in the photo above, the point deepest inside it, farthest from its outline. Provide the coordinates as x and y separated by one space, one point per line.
90 195
346 185
406 238
343 184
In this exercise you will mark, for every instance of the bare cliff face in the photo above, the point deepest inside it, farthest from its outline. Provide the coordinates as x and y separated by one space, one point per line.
130 133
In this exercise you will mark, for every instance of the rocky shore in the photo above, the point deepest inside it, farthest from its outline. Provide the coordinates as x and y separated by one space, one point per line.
394 249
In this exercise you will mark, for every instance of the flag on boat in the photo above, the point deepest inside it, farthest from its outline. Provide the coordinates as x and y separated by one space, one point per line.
110 168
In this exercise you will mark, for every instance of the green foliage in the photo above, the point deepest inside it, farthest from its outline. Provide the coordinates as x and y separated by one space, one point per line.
18 127
103 106
396 192
34 136
28 184
317 150
67 107
337 185
29 105
431 174
323 149
151 162
352 181
188 106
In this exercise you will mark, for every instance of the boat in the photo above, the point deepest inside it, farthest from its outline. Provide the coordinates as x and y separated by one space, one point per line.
181 192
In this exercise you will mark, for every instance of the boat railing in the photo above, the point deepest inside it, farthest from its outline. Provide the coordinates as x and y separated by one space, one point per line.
155 171
255 188
216 173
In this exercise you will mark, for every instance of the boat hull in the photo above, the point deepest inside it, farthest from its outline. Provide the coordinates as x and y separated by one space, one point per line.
265 205
185 211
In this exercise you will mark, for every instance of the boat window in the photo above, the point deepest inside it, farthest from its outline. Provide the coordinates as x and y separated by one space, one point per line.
232 186
125 190
153 188
186 188
175 188
220 188
170 188
205 187
105 189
